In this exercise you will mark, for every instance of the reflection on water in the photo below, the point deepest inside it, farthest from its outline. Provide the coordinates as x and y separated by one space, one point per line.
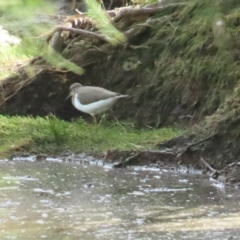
67 201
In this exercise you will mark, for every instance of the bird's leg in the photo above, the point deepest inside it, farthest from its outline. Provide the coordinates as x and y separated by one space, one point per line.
103 117
95 120
95 123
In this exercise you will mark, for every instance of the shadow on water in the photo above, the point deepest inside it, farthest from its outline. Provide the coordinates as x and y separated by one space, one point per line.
54 200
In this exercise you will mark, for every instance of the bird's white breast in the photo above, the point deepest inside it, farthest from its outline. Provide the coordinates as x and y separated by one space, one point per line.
95 107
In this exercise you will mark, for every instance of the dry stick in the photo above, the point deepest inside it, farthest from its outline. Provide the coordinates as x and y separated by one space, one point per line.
80 13
70 44
127 160
83 32
19 88
207 165
158 152
229 165
88 63
184 150
138 47
200 141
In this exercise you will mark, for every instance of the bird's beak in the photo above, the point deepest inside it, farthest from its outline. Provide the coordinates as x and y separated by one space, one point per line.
69 95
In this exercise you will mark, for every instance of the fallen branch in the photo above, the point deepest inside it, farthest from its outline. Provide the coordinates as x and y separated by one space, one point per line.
138 47
187 150
143 154
200 141
166 153
208 166
83 32
230 165
126 161
20 87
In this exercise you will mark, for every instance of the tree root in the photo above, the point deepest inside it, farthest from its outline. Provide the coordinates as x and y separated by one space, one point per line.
187 150
138 14
142 157
172 155
127 161
21 85
83 32
208 165
129 14
229 175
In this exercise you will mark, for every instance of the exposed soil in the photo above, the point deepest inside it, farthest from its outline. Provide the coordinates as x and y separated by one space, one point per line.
136 72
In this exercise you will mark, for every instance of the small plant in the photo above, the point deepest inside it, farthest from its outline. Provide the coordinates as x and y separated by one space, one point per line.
58 128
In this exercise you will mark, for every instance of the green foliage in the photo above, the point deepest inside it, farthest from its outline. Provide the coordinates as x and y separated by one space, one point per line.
104 24
53 135
58 128
25 20
29 19
56 60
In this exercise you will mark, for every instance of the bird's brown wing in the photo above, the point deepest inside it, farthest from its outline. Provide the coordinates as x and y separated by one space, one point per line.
87 95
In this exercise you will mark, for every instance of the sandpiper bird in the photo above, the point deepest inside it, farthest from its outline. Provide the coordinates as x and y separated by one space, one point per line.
93 100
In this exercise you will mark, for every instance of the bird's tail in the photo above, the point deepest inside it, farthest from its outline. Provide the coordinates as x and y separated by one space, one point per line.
122 96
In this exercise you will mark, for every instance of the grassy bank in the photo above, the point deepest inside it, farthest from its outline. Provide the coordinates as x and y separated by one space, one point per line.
51 135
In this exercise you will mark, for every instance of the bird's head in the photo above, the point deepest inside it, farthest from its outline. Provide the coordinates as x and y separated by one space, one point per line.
73 89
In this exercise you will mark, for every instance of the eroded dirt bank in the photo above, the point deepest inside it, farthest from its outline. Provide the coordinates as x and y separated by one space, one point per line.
179 66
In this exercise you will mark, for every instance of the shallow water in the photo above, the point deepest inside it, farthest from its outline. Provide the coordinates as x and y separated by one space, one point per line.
70 200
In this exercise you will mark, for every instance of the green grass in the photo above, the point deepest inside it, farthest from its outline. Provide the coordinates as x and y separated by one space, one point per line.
52 135
10 60
22 22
